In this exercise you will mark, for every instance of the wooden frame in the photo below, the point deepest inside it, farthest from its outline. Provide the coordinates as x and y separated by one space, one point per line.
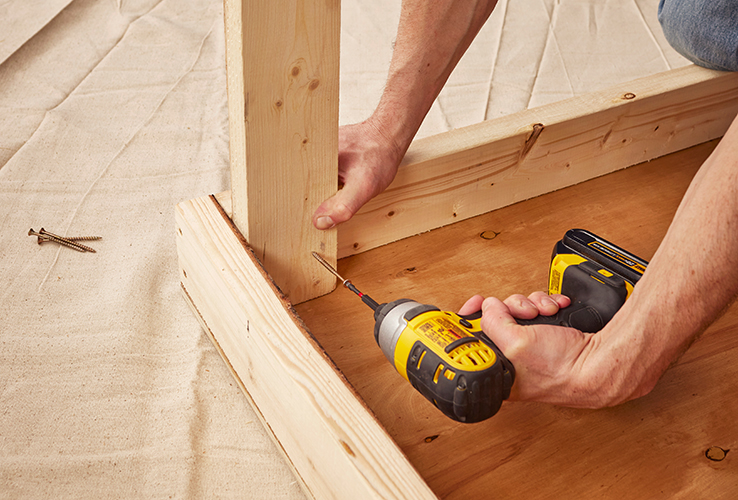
330 436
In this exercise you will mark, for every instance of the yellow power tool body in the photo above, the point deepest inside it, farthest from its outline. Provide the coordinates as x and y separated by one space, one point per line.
446 357
455 366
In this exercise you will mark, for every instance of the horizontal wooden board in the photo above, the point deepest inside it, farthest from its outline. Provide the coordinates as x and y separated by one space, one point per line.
466 172
650 448
332 440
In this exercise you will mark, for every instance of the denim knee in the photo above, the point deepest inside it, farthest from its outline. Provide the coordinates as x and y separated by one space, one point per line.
703 31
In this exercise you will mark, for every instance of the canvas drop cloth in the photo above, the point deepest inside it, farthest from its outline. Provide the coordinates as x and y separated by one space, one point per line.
112 112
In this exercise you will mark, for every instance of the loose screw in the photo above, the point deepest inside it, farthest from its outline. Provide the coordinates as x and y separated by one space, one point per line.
56 237
44 236
73 238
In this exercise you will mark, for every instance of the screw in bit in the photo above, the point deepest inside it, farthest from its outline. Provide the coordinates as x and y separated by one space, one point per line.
364 297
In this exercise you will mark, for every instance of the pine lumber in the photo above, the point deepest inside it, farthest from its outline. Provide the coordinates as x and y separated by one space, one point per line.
332 441
282 60
473 170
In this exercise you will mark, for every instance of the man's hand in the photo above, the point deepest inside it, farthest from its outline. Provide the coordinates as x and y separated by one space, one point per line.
551 362
431 38
367 163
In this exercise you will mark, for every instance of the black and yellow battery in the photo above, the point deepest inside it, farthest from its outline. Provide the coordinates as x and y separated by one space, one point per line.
579 245
595 274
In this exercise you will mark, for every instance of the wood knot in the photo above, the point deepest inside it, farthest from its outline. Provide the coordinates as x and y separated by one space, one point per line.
406 271
347 447
314 84
629 95
716 453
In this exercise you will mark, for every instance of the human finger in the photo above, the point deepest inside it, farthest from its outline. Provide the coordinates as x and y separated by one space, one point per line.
471 306
548 305
498 323
340 207
521 307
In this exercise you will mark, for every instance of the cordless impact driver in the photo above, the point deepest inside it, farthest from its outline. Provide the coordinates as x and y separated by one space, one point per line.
455 366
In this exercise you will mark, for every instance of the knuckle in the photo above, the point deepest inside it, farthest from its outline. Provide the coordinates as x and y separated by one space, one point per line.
517 300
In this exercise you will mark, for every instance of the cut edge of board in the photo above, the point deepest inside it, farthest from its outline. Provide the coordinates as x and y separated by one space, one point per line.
333 441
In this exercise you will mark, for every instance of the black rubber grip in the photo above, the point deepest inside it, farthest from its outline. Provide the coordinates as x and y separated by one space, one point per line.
577 315
584 284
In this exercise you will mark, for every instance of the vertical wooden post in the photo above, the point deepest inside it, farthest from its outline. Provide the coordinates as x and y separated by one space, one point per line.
283 72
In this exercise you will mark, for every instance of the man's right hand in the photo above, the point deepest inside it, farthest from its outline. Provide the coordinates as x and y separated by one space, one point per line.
367 163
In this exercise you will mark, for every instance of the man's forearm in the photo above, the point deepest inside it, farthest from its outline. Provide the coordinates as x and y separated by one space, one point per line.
431 38
691 280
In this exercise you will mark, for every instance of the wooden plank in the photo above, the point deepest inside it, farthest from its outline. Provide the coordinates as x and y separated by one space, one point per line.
650 448
283 71
245 391
469 171
334 443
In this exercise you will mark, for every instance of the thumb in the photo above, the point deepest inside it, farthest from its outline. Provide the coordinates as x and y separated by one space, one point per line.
498 323
337 209
341 206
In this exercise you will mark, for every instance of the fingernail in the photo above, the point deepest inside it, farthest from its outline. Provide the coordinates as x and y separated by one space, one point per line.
324 222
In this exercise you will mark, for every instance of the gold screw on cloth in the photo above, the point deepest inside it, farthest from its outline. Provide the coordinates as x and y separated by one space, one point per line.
71 242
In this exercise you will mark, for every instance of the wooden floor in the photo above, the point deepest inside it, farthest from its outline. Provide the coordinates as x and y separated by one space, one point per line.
650 448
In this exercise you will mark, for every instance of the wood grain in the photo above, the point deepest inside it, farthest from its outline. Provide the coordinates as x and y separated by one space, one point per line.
332 440
650 448
283 70
476 169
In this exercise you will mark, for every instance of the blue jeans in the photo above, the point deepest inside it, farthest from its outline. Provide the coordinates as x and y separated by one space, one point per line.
703 31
